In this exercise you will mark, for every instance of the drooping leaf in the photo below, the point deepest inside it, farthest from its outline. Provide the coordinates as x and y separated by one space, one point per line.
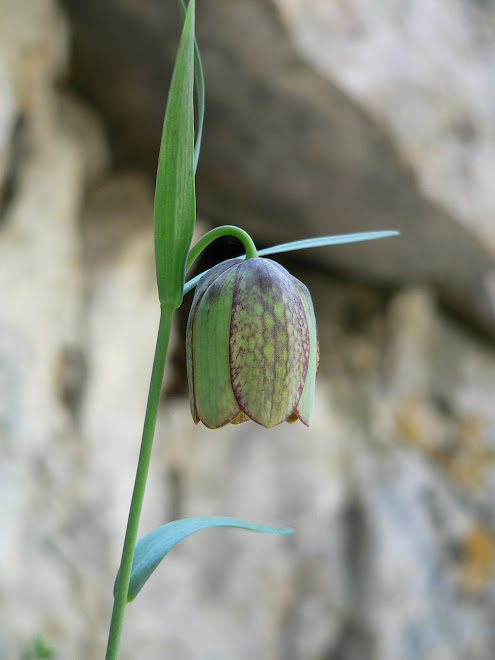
153 547
175 201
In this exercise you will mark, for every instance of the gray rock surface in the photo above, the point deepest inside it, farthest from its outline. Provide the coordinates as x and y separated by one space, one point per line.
51 150
390 491
305 139
425 73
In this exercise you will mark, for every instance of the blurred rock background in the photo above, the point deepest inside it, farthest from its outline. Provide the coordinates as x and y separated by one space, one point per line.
322 117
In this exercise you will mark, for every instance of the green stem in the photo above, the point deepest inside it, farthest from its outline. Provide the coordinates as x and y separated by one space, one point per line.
224 230
122 586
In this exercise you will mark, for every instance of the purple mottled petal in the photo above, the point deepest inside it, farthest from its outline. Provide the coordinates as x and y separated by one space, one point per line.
203 284
305 404
269 342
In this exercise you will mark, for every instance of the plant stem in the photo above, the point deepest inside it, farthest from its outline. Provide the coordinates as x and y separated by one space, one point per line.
122 586
213 234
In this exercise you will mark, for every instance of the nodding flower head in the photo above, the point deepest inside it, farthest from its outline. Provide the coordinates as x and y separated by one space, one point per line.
252 347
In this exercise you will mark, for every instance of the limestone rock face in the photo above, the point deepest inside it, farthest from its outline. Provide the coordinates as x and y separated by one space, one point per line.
390 491
428 76
323 118
49 149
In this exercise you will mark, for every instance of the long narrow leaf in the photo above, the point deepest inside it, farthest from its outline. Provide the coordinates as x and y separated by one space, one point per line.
200 93
322 241
175 201
153 547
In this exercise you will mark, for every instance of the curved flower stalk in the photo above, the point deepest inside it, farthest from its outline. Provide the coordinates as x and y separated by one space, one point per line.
251 345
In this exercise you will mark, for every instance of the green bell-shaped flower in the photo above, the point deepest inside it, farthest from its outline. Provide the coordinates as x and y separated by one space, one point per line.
252 347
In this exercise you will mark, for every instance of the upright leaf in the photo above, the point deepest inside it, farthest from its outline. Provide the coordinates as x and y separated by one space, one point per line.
200 92
175 201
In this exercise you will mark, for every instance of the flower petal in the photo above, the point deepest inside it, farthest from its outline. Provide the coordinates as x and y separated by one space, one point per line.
214 399
240 419
305 404
269 342
203 284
